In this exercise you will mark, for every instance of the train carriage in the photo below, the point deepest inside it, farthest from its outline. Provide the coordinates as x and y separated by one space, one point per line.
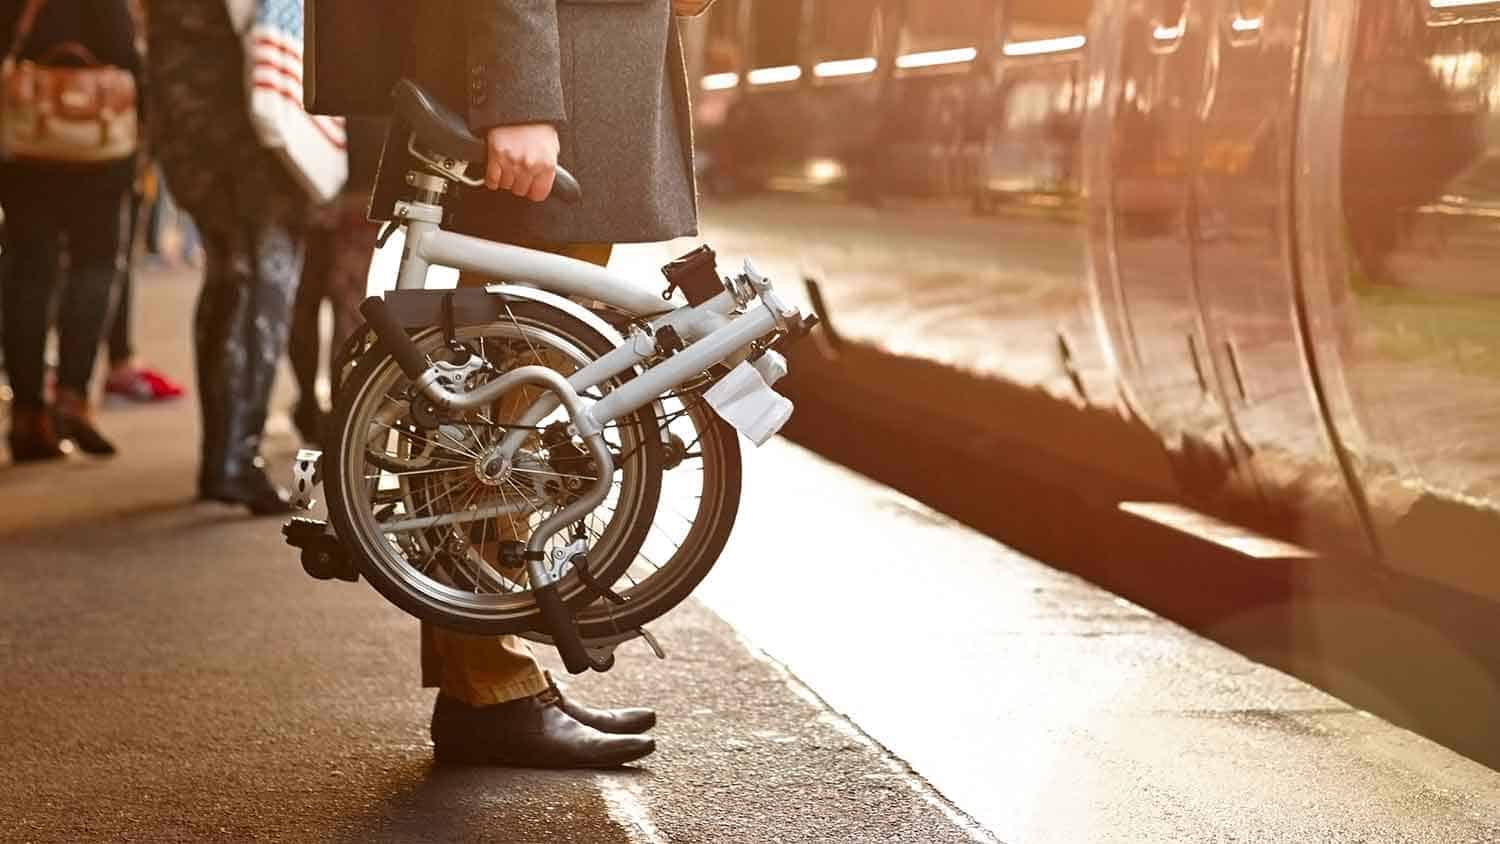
1263 229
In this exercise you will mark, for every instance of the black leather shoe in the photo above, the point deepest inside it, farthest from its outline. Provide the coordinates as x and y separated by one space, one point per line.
253 489
619 721
532 732
84 435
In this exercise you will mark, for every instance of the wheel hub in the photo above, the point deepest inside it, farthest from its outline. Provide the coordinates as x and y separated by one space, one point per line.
493 468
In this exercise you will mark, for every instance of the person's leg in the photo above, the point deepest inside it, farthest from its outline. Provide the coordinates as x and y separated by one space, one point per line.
128 377
303 341
278 253
95 227
240 334
353 253
479 669
121 350
153 212
28 288
189 244
495 702
221 301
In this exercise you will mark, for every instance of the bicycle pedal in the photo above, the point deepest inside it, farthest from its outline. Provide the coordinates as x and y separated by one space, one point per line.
307 474
323 556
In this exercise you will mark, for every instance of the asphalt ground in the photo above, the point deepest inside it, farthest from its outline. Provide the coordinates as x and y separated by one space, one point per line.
860 668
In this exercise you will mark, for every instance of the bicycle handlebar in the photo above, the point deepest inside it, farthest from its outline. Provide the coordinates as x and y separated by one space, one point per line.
565 187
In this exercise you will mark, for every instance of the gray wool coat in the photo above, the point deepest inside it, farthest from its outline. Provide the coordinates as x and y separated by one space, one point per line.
608 73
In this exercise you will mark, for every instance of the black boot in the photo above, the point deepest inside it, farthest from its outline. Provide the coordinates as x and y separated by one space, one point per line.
620 721
532 732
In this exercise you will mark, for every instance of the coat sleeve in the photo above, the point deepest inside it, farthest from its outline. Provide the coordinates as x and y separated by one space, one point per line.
514 63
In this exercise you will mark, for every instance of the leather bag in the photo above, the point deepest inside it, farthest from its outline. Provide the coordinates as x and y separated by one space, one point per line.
66 107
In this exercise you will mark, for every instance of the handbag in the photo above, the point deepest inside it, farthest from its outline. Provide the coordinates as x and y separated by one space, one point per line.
313 147
66 107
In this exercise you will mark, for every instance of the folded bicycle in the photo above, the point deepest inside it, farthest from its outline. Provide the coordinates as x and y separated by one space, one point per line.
554 455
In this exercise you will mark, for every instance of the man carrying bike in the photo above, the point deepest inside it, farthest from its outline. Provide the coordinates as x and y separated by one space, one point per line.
598 85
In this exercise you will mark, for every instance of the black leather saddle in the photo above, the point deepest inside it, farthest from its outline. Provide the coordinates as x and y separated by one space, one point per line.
440 130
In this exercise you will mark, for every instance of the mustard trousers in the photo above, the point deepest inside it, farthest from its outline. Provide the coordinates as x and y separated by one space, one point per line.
486 670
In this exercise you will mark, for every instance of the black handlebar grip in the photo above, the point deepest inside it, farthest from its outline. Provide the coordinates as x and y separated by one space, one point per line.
394 337
565 188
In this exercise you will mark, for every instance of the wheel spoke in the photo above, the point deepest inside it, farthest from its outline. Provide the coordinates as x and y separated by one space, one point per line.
416 472
410 435
554 474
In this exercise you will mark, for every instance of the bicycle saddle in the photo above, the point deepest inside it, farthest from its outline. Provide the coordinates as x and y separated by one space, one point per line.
440 130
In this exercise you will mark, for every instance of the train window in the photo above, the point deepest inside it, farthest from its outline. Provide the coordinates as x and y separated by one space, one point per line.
774 29
846 29
951 25
1039 31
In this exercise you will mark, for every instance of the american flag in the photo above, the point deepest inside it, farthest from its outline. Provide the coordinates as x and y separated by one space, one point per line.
315 144
276 39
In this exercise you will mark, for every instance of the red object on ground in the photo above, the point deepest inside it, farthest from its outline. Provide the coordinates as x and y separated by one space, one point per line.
144 384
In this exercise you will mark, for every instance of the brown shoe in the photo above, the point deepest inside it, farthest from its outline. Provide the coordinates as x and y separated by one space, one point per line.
532 732
632 721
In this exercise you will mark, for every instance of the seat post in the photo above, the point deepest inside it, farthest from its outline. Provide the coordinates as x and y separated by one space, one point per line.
428 189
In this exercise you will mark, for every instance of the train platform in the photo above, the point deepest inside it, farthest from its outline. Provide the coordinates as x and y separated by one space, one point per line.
858 668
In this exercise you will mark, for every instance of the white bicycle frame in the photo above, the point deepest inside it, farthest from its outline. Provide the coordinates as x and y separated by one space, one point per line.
720 330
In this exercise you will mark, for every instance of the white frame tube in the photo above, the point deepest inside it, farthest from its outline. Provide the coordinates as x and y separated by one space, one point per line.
427 244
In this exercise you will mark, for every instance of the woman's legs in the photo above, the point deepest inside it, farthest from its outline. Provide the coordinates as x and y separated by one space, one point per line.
31 231
32 234
95 225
